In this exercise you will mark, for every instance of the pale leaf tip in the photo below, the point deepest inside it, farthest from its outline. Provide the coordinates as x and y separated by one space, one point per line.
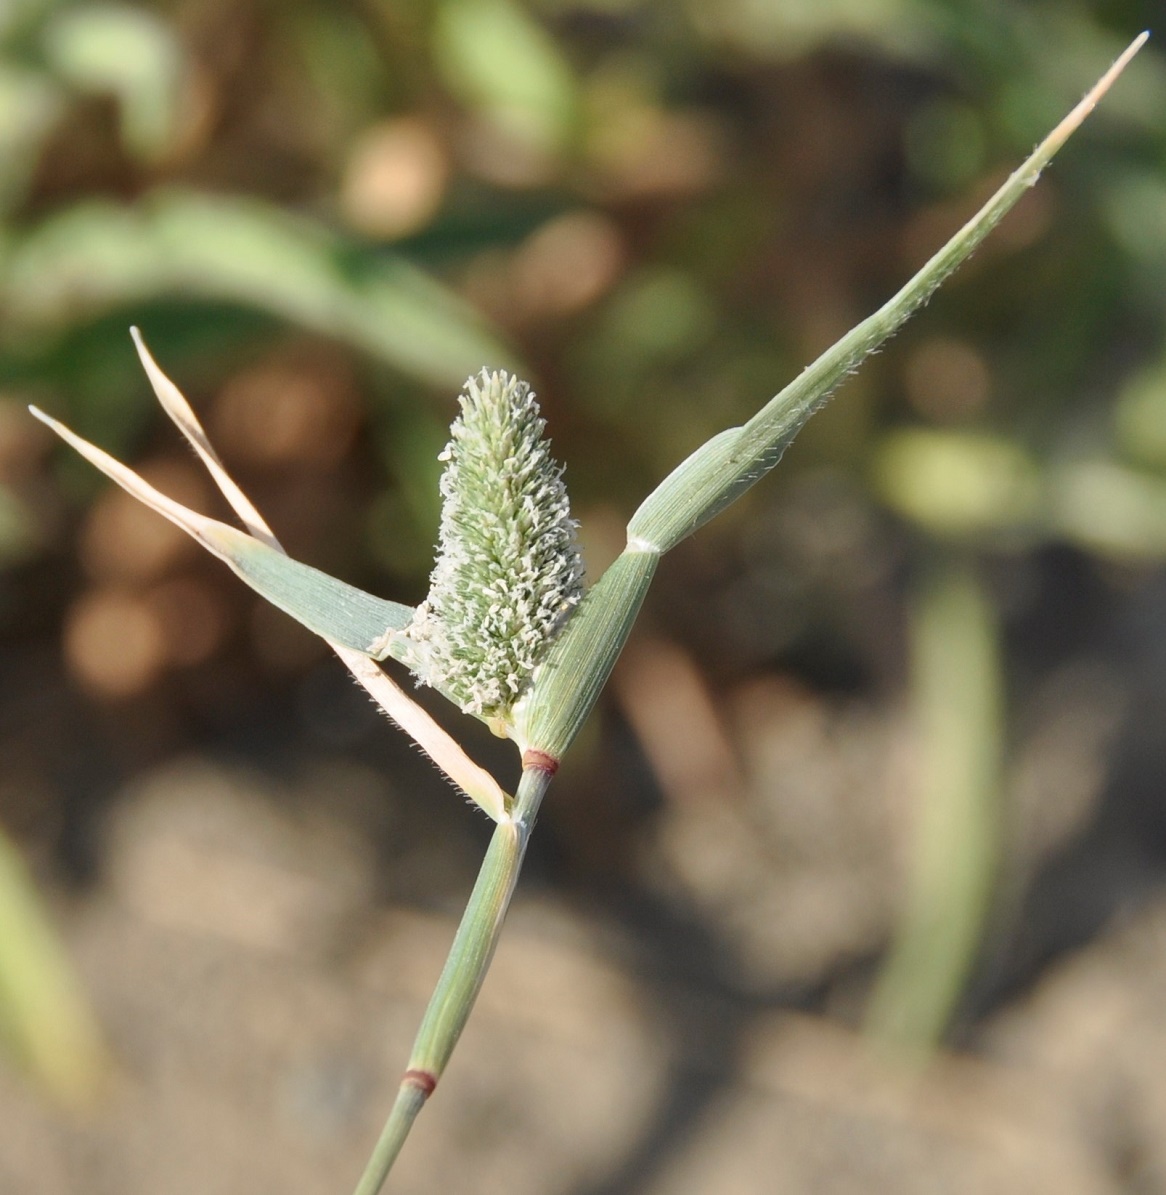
1072 122
167 393
144 354
1130 50
50 422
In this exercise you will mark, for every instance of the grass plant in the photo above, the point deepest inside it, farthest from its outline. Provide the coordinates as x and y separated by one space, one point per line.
507 632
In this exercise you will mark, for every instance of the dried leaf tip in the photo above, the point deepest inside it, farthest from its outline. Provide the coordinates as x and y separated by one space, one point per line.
508 569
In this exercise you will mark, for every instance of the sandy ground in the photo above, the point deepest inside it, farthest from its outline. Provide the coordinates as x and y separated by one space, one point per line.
260 993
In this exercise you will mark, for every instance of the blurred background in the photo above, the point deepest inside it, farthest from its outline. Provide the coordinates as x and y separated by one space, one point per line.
856 880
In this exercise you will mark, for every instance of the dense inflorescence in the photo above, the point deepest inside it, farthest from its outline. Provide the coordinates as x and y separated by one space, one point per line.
508 568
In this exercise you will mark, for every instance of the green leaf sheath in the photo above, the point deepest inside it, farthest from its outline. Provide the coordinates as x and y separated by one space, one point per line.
461 978
697 490
569 681
331 608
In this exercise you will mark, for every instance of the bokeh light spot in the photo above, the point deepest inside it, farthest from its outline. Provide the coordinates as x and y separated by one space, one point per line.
394 179
122 540
947 379
115 644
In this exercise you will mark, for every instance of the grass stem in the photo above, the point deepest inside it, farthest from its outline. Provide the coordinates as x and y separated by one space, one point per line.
461 978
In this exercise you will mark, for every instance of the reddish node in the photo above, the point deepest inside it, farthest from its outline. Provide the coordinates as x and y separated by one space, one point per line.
540 761
424 1081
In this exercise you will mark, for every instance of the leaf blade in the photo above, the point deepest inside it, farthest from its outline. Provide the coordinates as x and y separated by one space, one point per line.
713 477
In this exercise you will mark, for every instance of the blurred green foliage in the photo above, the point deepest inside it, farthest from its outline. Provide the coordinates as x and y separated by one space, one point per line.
324 215
44 1020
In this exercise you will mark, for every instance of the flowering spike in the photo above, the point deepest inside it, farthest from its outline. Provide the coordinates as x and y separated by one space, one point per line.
508 568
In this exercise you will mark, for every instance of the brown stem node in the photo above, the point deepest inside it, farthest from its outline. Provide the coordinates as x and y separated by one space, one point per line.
424 1081
539 761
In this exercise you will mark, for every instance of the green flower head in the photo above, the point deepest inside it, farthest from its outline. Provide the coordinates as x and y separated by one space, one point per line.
508 568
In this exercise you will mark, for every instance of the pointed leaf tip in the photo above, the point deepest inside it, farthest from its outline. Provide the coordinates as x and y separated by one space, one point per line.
182 415
1089 101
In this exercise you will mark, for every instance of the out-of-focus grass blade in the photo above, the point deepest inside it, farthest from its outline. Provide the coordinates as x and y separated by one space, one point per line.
958 703
107 49
959 483
499 60
1110 509
44 1019
99 255
30 103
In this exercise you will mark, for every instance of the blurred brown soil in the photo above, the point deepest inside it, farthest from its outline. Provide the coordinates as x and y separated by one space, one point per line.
260 995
